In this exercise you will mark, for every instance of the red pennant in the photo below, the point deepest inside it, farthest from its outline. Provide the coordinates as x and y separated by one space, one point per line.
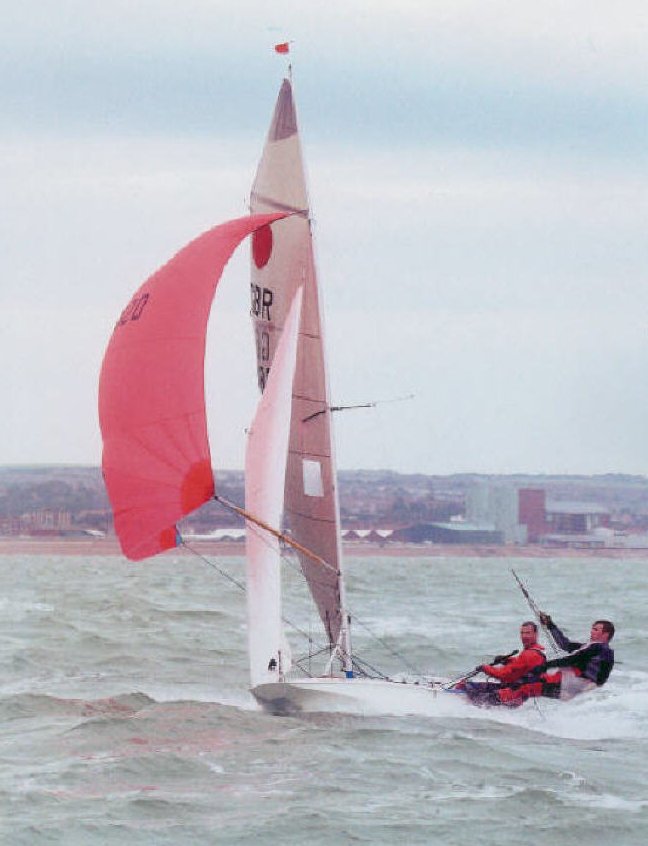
282 48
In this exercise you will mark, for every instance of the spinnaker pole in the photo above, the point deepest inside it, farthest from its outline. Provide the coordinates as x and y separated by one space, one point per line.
268 528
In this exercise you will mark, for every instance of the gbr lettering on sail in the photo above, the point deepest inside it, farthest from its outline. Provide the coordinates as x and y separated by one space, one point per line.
262 303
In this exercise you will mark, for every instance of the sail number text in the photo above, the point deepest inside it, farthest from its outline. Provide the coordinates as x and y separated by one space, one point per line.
133 310
261 308
261 301
263 356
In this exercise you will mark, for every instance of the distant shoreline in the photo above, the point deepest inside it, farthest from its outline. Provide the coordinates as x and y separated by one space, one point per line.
110 546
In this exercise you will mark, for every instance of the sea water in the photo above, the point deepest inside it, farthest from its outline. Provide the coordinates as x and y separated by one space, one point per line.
125 716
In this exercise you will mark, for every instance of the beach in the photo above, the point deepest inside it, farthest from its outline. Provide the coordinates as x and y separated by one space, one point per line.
354 549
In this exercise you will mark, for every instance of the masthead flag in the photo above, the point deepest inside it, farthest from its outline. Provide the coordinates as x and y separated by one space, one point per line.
282 48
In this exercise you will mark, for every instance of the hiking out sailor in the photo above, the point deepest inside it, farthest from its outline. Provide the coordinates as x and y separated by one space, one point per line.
586 666
516 671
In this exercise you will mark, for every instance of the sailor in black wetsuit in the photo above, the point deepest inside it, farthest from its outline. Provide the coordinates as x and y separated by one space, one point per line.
587 664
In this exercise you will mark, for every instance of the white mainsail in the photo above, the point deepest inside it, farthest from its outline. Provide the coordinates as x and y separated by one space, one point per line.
265 464
282 260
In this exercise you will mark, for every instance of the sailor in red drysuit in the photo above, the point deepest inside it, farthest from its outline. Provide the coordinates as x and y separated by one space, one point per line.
516 675
531 658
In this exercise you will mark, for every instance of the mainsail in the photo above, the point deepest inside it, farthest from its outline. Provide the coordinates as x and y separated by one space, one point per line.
156 457
283 260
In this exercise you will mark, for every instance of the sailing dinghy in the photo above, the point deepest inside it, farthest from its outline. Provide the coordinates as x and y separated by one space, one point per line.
157 462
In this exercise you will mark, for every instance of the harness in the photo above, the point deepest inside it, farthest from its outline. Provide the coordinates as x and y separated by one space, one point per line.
532 675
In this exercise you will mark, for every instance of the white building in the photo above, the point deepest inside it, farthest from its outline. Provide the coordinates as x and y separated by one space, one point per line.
496 504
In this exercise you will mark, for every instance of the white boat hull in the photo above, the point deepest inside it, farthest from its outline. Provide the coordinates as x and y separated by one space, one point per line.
364 697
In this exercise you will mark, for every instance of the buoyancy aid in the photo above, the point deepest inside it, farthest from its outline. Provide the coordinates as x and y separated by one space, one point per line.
526 666
593 661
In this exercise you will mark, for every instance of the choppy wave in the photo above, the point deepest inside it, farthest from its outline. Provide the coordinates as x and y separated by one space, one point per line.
125 714
39 706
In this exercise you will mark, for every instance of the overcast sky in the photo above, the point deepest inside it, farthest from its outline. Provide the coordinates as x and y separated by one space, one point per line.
478 178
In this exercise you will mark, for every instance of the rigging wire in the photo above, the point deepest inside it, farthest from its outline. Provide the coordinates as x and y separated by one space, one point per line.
320 648
394 653
297 662
257 527
214 566
241 586
361 667
359 663
538 708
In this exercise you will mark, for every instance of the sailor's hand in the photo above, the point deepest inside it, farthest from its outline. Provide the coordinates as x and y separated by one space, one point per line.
479 668
545 619
500 659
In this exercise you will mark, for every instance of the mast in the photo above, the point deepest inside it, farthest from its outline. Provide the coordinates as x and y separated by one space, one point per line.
282 260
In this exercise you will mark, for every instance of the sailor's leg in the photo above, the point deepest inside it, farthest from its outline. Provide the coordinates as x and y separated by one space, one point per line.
483 693
513 697
551 685
572 683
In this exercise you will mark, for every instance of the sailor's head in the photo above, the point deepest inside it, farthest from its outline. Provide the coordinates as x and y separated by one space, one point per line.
528 633
602 631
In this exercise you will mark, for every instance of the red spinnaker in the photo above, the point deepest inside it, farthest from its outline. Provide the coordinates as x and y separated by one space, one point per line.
156 459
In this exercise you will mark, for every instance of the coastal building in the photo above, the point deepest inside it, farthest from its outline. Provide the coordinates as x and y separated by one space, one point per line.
577 524
42 522
379 536
523 515
532 512
576 517
454 532
496 504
